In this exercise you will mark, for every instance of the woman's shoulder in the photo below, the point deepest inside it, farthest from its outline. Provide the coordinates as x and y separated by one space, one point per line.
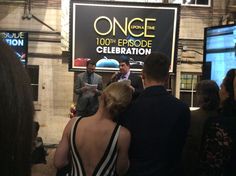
70 124
124 130
124 134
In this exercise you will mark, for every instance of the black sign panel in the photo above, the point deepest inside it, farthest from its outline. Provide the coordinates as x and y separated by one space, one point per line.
109 31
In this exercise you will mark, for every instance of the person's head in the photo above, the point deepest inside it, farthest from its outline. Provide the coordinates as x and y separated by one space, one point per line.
16 115
90 66
227 88
124 66
208 95
35 129
156 68
117 96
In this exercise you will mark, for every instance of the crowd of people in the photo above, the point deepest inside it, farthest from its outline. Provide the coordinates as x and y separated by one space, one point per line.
131 127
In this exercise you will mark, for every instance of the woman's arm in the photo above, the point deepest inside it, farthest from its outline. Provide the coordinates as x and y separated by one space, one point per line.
61 157
123 148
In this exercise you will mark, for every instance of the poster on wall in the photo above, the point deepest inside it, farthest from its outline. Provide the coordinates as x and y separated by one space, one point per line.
18 41
107 32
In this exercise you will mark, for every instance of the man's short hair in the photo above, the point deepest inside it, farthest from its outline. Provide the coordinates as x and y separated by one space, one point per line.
126 61
156 66
91 62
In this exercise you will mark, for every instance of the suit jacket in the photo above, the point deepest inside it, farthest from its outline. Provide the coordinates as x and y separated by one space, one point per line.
87 104
158 123
136 83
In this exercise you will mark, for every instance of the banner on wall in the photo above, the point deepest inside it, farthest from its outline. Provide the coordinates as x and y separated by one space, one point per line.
18 41
107 32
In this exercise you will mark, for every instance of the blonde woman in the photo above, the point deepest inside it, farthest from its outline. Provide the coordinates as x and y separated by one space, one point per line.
96 145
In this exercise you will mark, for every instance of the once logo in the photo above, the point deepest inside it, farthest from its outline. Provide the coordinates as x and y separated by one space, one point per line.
128 28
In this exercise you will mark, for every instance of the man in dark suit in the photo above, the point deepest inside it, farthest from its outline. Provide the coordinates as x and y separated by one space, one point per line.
125 74
158 123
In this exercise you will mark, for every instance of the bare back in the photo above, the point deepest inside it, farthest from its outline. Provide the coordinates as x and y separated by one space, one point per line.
93 140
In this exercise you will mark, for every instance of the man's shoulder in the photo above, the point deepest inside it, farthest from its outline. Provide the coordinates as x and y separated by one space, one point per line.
81 74
179 102
97 76
172 102
160 96
133 75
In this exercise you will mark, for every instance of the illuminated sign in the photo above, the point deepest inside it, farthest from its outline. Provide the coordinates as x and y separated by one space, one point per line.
120 30
18 41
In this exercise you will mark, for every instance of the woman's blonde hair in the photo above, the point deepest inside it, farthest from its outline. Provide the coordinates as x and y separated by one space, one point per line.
118 96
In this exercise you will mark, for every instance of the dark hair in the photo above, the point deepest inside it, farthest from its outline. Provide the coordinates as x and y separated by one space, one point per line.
91 62
208 94
156 66
228 82
16 115
126 61
35 129
229 104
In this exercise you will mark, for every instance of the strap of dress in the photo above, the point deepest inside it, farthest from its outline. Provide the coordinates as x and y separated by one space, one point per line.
76 160
73 129
109 158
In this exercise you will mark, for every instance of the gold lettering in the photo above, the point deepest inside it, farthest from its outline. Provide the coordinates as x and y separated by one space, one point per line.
115 22
146 24
95 25
129 29
135 43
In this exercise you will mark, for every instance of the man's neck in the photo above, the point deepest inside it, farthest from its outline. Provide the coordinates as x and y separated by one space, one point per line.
125 75
153 83
128 72
88 73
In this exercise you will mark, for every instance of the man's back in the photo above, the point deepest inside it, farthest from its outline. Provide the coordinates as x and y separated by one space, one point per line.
158 123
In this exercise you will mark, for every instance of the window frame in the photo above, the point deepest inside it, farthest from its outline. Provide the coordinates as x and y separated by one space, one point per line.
34 84
193 5
192 90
